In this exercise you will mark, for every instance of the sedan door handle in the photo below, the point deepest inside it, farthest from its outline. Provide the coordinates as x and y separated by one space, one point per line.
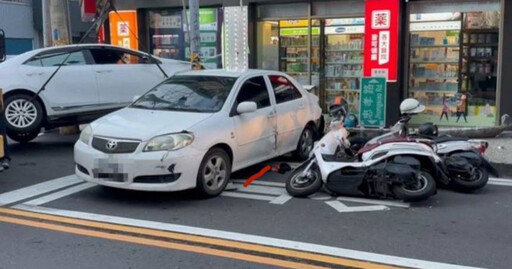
103 71
271 115
35 74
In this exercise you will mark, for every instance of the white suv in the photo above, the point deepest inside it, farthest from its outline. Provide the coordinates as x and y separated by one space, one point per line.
94 80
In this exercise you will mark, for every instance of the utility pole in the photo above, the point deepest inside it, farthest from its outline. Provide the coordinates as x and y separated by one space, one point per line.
56 23
195 38
57 32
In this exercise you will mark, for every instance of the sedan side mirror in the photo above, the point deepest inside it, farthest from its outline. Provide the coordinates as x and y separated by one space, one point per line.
246 107
309 88
135 98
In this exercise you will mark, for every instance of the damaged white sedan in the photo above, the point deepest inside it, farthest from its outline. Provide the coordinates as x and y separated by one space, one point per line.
195 128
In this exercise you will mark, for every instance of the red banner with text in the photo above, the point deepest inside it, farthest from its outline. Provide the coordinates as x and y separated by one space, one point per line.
382 19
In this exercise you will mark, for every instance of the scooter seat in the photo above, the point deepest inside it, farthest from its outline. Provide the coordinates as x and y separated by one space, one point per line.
370 147
443 139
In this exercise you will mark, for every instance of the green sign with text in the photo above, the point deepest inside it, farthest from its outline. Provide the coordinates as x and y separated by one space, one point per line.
372 108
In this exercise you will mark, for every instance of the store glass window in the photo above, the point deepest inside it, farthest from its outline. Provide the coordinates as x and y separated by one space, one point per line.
168 35
453 67
343 62
294 57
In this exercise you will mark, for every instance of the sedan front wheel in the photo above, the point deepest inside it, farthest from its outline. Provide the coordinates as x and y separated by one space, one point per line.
214 173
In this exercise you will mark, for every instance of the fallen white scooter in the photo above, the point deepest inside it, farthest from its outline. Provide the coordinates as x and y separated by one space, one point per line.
392 168
465 162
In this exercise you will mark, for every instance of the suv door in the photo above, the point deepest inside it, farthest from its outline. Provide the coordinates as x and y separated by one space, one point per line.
72 89
291 113
122 74
255 132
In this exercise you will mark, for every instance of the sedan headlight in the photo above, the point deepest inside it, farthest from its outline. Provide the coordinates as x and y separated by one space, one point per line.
86 134
169 142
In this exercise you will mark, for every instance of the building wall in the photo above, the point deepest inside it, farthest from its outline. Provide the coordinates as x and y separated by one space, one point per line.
16 19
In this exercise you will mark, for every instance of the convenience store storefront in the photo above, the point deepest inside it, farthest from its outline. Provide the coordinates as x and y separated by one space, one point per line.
449 53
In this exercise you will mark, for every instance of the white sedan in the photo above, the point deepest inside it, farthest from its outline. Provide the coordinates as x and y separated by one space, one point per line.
195 128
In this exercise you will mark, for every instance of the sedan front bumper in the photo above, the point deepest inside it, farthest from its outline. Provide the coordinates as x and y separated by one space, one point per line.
145 171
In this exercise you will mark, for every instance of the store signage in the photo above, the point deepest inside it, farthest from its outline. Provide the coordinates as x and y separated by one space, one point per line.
87 10
381 38
207 19
123 29
166 22
446 16
293 23
332 30
299 31
435 26
346 21
372 107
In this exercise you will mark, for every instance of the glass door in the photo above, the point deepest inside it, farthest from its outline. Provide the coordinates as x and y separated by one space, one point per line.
343 62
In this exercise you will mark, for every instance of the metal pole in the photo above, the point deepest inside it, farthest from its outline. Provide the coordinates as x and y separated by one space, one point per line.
195 39
310 29
47 26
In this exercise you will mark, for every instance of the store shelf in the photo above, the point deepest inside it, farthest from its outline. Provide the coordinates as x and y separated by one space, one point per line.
298 46
342 90
343 50
481 44
344 63
443 78
298 58
435 62
436 46
341 77
304 72
431 91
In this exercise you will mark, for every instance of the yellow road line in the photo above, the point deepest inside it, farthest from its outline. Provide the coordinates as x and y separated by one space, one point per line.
162 244
202 239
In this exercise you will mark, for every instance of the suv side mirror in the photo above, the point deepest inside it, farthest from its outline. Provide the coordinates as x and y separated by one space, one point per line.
3 53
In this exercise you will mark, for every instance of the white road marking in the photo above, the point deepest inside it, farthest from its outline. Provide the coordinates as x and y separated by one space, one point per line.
373 201
342 208
262 183
500 182
38 189
247 196
321 196
248 238
60 194
283 198
261 189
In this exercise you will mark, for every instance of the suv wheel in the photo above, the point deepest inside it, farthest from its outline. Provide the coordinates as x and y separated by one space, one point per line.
23 117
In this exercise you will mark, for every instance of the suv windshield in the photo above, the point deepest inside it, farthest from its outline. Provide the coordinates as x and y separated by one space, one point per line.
188 93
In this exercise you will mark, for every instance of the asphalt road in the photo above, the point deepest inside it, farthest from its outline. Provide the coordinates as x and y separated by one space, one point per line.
465 229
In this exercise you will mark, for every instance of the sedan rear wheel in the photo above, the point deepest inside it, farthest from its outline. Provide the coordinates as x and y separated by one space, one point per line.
214 173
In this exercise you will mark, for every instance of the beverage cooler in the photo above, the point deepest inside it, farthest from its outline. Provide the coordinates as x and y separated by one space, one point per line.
343 62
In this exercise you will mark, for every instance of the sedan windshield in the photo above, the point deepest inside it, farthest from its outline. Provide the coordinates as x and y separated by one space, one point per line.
188 93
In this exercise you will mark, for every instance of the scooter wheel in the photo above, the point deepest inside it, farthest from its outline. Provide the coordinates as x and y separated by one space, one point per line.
425 188
298 186
478 180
